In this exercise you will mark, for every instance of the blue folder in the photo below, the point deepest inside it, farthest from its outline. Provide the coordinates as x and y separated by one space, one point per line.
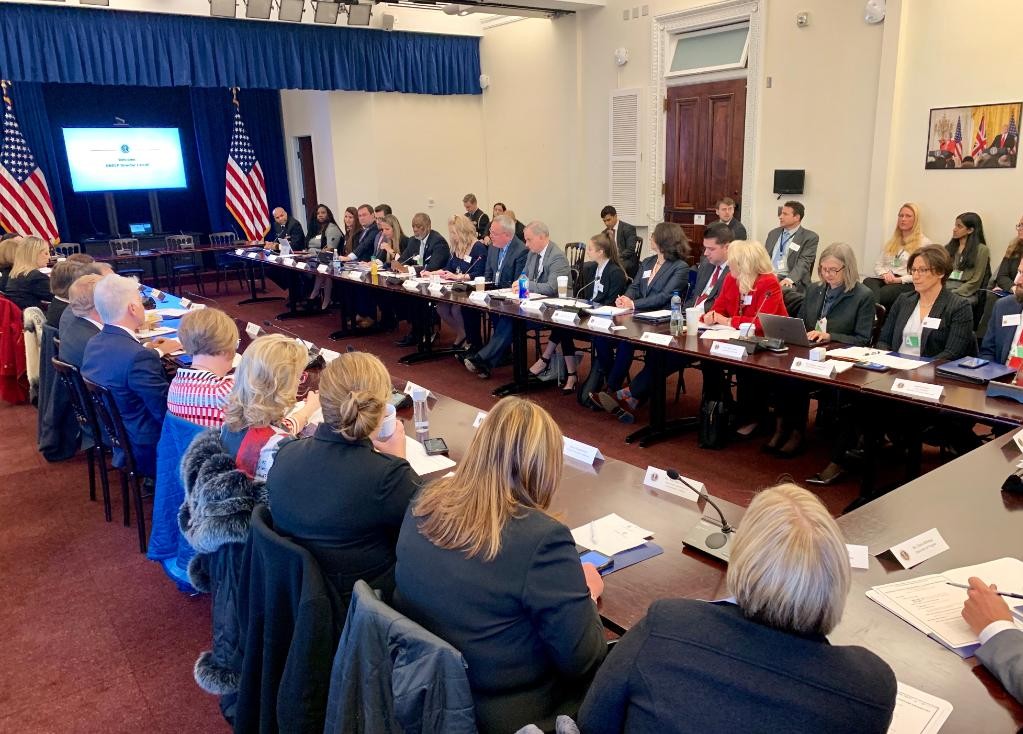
976 375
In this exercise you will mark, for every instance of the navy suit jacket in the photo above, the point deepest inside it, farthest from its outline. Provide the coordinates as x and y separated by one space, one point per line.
364 247
703 276
436 253
997 339
514 263
652 295
75 333
135 376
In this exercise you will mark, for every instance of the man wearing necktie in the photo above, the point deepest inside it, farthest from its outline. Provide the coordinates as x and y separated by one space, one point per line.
793 251
624 236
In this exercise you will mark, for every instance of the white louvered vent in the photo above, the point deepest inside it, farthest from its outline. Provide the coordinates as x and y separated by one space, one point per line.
623 176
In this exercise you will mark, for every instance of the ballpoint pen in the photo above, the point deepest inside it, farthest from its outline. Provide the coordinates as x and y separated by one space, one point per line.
1000 593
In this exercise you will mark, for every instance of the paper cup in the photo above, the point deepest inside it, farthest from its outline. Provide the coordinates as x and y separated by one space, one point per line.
388 424
481 283
562 286
693 316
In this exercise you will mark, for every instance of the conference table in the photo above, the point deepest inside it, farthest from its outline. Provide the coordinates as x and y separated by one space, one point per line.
154 256
961 499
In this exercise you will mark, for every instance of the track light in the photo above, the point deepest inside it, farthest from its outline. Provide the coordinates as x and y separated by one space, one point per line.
359 14
259 9
326 11
222 8
101 3
291 10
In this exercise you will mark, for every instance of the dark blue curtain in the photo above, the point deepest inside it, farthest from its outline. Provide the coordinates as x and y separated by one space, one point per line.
30 110
75 46
213 117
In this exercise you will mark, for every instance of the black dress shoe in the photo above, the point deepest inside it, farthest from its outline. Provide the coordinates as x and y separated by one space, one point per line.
407 341
819 480
477 366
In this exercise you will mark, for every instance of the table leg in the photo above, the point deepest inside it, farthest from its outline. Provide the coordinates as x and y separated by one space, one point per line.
522 379
660 428
250 270
423 326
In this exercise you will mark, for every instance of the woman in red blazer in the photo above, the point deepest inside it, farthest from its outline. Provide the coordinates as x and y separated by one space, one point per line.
750 289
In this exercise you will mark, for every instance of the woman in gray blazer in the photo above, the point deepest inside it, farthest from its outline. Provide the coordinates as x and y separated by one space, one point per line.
324 236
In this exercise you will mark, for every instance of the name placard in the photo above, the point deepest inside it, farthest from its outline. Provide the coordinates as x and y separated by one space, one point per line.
659 479
185 303
437 288
273 258
410 285
918 549
239 251
809 367
253 255
925 390
411 386
329 355
301 266
581 451
252 330
565 317
354 275
1018 438
599 323
479 419
531 305
321 268
156 294
731 351
479 297
289 261
655 338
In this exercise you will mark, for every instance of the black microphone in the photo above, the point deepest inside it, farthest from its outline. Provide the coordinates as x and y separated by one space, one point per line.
192 296
474 261
715 540
584 287
288 332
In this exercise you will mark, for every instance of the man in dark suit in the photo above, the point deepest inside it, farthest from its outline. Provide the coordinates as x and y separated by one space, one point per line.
426 248
80 321
1004 329
1005 142
725 210
364 247
624 236
476 215
713 267
1001 648
288 227
115 359
793 251
505 262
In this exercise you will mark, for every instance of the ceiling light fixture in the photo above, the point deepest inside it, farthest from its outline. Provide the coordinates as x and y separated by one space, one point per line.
326 11
223 8
258 9
359 14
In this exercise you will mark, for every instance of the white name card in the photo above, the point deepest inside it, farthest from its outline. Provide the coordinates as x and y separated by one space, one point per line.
273 258
354 275
659 479
654 338
321 268
858 556
1018 438
329 355
198 306
918 549
581 451
289 261
479 419
155 293
732 351
185 303
565 317
809 367
410 285
1011 319
253 255
239 251
599 323
531 305
410 386
478 297
925 390
252 330
301 266
794 246
436 288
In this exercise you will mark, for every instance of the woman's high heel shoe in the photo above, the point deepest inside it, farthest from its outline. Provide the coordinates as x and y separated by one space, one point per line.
565 389
546 363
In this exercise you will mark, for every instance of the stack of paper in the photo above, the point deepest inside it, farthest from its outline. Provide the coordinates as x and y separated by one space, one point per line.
888 359
917 712
606 311
610 534
935 608
720 333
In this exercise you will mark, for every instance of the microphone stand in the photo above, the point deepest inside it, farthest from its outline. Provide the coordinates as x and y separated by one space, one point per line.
714 542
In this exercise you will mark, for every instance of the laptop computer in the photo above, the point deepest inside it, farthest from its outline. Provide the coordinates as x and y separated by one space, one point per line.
790 330
140 229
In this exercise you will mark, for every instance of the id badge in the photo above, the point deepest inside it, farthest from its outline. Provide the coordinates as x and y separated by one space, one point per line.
822 325
912 340
598 288
956 275
1018 349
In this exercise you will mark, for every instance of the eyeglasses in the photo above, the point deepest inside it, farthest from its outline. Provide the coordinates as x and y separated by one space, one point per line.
832 271
920 271
1019 225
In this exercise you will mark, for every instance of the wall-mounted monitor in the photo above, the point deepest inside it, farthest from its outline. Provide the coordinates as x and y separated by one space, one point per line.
789 181
124 158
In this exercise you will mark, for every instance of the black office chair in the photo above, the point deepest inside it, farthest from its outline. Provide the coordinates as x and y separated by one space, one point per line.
880 314
71 377
115 432
183 246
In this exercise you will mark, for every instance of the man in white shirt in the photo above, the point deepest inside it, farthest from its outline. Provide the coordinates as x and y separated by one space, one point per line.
1001 642
713 268
624 236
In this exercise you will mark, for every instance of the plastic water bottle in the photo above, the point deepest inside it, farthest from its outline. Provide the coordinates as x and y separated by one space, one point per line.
420 409
677 324
336 263
523 287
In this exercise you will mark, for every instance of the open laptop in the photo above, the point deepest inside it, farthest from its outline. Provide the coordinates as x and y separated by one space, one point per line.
142 228
790 330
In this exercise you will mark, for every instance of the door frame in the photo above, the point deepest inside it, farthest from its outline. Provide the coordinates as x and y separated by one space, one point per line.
663 28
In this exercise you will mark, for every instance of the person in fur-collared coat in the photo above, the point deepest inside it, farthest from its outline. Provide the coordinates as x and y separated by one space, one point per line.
214 518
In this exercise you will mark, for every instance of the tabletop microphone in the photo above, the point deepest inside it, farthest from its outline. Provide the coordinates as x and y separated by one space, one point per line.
725 527
288 332
193 296
706 535
584 287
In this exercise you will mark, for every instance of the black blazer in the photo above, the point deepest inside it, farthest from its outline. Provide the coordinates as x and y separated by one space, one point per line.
954 337
514 264
653 295
54 312
738 229
4 273
851 317
482 222
626 242
74 333
691 666
612 283
998 339
379 254
1006 274
343 502
703 276
364 247
293 231
524 621
29 290
436 254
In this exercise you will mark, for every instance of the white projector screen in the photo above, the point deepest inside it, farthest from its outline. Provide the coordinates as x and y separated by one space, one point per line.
124 158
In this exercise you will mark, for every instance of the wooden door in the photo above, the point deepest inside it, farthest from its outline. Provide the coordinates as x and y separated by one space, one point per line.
305 159
704 151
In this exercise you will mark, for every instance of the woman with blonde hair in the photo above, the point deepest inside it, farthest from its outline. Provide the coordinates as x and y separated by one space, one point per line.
764 660
198 392
750 288
892 279
27 285
258 415
343 492
524 618
7 249
468 261
392 241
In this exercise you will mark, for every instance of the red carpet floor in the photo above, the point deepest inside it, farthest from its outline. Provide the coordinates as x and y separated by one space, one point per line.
98 640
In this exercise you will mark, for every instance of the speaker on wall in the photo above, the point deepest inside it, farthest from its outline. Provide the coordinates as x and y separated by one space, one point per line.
789 181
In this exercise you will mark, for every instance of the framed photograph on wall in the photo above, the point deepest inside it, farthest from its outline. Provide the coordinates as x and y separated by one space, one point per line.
980 136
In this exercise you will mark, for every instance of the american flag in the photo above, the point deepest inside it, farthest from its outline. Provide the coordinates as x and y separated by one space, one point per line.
1013 130
25 204
958 138
246 188
980 139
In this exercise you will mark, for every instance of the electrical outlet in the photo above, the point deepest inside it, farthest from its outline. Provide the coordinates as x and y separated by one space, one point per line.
635 12
625 14
644 11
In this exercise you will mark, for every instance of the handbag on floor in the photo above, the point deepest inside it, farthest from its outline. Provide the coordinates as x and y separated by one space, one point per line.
716 417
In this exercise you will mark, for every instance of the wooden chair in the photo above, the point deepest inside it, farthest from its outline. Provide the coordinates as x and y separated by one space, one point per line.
65 249
225 265
880 314
183 246
72 379
128 262
115 432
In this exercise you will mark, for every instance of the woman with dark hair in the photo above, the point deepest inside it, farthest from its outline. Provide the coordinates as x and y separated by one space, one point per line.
971 259
605 281
1007 269
351 227
324 233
